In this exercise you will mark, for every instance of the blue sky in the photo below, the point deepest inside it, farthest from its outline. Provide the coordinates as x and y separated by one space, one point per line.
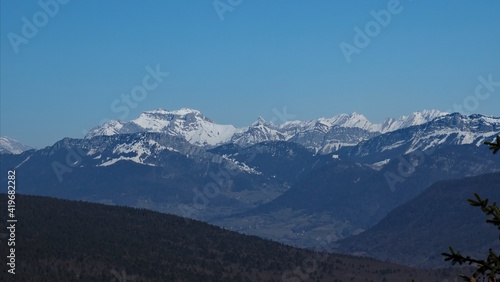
238 64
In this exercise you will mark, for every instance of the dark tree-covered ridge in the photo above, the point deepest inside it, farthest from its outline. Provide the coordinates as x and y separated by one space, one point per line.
61 240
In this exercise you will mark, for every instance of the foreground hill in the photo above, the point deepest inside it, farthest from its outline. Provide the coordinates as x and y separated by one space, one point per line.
417 232
60 240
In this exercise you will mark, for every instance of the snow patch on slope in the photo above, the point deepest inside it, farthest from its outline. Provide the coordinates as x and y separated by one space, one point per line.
136 152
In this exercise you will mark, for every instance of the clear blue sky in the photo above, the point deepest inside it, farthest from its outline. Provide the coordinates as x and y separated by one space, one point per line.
263 55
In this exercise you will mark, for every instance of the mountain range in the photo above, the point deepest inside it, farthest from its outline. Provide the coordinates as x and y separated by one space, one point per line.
451 129
320 135
297 183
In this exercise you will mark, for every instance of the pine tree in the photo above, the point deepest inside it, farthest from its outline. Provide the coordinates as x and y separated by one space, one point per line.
494 146
489 267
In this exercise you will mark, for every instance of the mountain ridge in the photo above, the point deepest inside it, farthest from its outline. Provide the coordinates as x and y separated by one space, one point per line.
451 129
323 135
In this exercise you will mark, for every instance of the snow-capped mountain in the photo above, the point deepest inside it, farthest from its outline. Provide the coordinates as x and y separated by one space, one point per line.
452 129
323 135
109 128
415 118
187 123
11 146
353 120
326 135
258 132
356 120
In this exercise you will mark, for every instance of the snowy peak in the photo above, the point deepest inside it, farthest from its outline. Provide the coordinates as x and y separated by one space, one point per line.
181 112
157 119
160 120
352 120
260 122
259 131
108 128
415 118
342 120
190 124
327 135
11 146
